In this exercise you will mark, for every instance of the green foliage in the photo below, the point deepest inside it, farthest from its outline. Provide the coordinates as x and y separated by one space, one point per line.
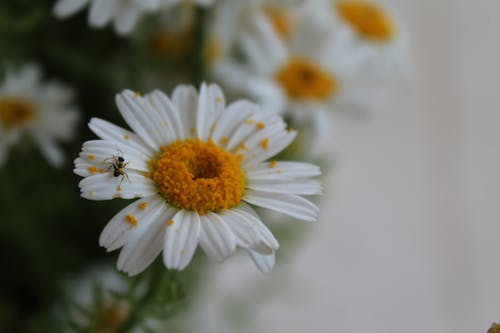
47 232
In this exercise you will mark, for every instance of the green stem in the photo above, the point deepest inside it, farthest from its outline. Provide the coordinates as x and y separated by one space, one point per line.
138 309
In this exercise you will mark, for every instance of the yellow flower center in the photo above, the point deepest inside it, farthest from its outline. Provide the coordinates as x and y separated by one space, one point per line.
172 43
282 20
367 18
198 176
15 112
304 80
111 317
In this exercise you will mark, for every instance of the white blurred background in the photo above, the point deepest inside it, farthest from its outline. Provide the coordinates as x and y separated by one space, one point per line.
409 236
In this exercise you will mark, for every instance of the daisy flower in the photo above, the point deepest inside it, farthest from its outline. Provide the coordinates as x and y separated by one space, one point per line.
230 19
196 167
376 30
305 73
123 13
39 110
95 301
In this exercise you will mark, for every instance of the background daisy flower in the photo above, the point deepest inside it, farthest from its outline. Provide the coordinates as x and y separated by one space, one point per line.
300 76
196 167
123 13
43 111
377 31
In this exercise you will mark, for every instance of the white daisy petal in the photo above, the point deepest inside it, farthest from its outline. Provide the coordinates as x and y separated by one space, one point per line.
147 4
245 129
181 239
185 99
232 117
145 243
276 144
126 19
267 240
50 149
249 231
84 168
210 103
291 205
65 8
140 120
118 229
216 238
243 229
101 12
104 152
264 263
282 171
168 116
255 140
108 131
105 186
300 187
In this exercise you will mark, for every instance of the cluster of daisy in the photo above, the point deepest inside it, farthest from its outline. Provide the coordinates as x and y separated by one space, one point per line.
203 166
196 165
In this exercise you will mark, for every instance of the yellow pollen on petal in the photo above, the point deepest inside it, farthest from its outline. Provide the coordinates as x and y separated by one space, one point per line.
304 80
192 130
243 146
198 176
94 169
249 121
273 164
91 157
15 112
170 222
143 205
137 94
261 125
126 137
224 140
368 19
265 143
131 219
119 188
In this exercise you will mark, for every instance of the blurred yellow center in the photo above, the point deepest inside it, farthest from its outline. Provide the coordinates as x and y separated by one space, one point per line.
304 80
172 43
199 176
111 317
367 18
15 112
281 19
212 51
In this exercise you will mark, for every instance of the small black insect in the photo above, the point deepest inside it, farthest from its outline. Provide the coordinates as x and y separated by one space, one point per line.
118 164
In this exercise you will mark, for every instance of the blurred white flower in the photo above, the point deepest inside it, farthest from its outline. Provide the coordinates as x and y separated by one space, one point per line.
95 301
376 30
195 164
295 62
40 110
123 13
